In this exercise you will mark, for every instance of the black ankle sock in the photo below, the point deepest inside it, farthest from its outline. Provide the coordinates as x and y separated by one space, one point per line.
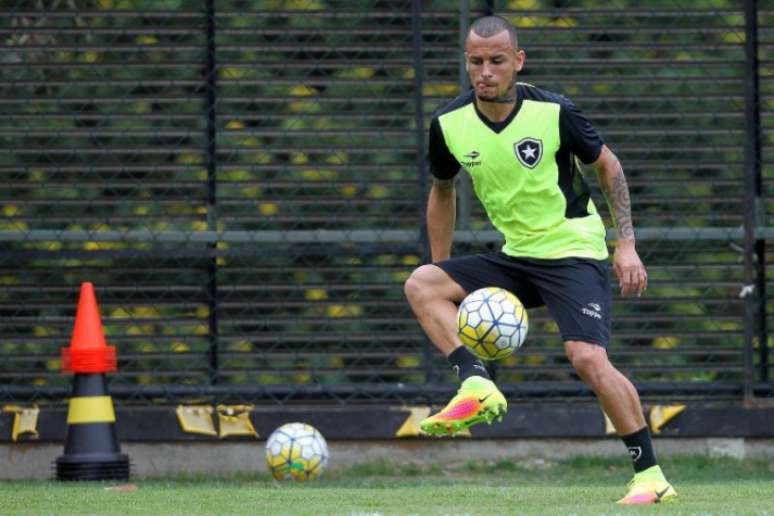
640 449
466 364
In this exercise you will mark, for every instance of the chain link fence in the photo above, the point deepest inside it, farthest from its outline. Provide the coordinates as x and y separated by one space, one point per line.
244 184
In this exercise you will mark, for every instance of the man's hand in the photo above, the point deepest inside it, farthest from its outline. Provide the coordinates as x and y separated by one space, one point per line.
627 265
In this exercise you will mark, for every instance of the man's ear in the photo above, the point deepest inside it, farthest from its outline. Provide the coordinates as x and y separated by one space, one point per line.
521 56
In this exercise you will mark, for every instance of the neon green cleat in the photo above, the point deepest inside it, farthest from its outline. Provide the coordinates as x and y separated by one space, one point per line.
648 487
477 400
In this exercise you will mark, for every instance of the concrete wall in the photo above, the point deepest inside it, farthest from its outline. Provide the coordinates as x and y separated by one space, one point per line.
35 460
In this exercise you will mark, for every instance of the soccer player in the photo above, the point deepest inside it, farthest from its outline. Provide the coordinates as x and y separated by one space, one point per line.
521 147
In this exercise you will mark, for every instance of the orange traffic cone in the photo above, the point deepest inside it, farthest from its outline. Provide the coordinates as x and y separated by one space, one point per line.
91 449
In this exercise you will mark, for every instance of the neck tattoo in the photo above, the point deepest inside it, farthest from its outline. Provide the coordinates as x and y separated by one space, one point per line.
508 98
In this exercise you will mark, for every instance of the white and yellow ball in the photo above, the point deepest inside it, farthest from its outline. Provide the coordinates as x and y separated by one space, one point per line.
296 451
492 323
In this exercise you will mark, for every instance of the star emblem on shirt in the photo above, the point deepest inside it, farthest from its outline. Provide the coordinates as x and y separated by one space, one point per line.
528 151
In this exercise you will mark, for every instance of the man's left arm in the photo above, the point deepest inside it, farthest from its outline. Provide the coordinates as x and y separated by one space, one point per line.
627 265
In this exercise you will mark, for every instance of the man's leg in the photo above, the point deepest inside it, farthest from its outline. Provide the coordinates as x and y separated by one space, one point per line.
621 403
615 392
432 295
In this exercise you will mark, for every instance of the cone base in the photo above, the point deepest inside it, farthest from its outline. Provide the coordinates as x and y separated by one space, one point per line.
116 469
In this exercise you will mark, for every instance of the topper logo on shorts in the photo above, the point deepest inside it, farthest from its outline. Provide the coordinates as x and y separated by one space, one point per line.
593 311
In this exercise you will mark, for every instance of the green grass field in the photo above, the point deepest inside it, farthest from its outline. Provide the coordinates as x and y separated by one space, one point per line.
579 486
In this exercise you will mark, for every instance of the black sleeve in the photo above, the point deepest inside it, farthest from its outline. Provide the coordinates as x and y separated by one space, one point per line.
577 133
443 164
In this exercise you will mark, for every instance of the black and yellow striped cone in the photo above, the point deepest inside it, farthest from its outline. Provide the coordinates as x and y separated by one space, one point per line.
91 448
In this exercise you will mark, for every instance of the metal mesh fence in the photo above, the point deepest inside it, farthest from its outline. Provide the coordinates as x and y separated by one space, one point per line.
242 183
765 190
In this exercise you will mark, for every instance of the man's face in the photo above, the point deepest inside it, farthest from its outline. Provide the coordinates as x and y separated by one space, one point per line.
492 64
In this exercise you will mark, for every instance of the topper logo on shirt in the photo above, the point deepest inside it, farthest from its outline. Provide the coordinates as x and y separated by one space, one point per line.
529 151
472 162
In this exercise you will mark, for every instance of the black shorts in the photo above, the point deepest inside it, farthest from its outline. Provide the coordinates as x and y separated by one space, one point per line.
575 290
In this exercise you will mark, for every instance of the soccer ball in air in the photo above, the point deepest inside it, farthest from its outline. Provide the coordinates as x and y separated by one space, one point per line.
492 323
296 451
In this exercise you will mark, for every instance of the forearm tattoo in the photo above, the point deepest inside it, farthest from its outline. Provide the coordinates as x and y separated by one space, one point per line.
617 195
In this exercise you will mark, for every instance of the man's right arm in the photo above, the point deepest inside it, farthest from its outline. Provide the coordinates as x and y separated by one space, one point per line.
441 215
441 205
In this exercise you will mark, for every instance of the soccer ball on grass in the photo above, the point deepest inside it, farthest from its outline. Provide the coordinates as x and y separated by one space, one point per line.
296 451
492 323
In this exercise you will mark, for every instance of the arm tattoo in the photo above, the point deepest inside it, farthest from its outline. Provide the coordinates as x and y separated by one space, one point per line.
617 195
444 185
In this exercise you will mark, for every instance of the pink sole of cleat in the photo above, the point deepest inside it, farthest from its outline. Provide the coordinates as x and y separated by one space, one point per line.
643 499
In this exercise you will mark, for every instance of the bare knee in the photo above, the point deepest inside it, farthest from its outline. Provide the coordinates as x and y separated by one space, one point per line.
418 285
428 283
588 360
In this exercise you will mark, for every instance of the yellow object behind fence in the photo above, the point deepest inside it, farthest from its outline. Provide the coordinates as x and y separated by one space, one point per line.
196 419
660 415
235 420
25 421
